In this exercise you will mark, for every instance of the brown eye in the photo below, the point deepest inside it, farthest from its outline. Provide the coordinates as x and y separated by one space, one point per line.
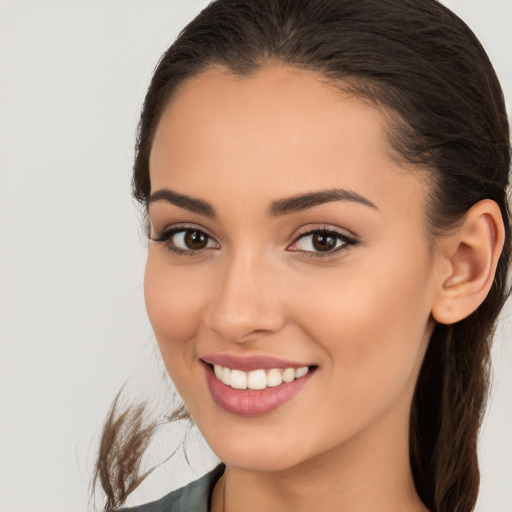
323 241
195 240
320 241
186 240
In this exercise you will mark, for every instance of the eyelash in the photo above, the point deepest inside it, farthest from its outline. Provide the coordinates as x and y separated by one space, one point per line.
346 242
166 235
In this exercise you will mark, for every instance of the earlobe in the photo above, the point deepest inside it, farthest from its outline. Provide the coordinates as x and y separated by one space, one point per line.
471 255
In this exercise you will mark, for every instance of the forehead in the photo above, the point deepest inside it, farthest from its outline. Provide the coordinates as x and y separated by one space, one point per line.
276 132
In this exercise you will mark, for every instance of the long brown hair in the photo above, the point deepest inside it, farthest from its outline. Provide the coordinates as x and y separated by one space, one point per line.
425 69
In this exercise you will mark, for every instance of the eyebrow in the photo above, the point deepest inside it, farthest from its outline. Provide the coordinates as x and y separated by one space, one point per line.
278 208
305 201
181 200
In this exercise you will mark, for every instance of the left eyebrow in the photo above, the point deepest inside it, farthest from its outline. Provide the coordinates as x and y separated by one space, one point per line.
305 201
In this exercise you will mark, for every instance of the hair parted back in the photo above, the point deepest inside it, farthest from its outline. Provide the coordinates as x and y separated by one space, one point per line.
425 69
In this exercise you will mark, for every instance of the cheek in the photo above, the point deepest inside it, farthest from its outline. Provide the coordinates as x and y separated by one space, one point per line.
173 302
373 325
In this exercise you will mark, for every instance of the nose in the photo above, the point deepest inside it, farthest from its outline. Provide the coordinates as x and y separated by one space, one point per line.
247 303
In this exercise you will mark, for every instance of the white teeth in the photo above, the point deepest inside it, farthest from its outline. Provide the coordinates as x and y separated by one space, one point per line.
289 375
226 376
300 372
257 379
238 379
274 377
219 371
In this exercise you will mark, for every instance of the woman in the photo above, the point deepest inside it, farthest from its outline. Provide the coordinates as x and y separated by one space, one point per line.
325 186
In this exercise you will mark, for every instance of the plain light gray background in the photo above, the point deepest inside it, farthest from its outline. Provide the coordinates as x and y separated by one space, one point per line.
73 326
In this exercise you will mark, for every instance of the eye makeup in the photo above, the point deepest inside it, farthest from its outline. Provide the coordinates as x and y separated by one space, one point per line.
188 240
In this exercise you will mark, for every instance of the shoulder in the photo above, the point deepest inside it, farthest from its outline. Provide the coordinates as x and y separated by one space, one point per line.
194 497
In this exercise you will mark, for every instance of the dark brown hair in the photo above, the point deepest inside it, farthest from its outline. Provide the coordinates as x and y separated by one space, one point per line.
425 69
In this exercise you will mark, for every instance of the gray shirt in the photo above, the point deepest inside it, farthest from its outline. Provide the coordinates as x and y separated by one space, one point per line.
194 497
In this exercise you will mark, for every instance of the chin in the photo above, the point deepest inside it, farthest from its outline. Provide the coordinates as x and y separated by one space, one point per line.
258 460
257 451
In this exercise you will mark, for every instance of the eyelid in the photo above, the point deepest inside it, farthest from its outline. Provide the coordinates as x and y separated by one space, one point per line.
165 235
348 240
180 226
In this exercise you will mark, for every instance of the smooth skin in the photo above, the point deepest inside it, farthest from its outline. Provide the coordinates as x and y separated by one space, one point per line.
256 283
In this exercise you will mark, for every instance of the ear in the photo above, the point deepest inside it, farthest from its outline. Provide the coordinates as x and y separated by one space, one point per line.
469 259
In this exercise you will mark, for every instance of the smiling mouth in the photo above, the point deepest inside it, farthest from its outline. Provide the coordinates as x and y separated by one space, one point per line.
264 387
258 379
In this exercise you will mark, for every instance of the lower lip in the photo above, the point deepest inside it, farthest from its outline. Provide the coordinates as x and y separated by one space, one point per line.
250 402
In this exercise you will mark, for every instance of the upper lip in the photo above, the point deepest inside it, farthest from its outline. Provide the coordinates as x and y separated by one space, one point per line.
249 363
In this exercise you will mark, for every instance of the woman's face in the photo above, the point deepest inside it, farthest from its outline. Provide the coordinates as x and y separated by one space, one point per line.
286 240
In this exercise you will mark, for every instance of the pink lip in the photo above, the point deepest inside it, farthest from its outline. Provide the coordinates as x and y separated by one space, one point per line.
250 402
249 363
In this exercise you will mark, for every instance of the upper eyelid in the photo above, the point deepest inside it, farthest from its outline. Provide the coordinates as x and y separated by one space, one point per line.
343 233
348 241
165 235
302 232
176 228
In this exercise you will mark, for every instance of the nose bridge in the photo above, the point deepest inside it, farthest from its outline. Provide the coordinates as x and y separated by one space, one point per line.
245 303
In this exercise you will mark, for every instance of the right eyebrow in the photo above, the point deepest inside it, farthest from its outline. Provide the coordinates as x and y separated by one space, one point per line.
183 201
